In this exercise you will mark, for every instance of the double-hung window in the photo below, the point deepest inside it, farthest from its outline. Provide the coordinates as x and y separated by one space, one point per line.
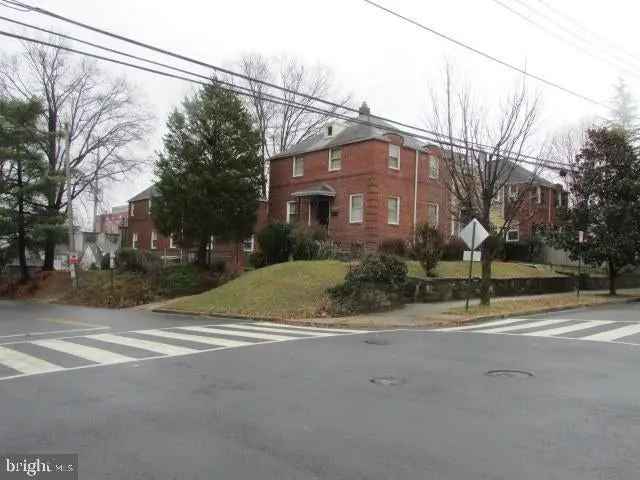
292 211
248 245
172 241
393 210
394 156
513 235
298 166
356 208
434 167
335 159
154 240
134 240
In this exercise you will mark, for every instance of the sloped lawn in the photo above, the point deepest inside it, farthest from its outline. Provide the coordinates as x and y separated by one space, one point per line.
499 270
286 290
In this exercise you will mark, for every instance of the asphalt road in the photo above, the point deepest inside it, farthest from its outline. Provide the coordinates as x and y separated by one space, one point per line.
308 409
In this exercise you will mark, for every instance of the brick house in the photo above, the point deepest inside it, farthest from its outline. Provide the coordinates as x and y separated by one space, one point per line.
112 222
364 184
142 234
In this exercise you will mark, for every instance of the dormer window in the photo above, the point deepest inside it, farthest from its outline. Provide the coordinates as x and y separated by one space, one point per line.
329 130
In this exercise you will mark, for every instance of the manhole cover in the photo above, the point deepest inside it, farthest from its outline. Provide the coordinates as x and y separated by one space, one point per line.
387 381
509 373
376 341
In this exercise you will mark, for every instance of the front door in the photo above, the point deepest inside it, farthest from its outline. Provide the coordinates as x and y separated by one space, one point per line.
323 210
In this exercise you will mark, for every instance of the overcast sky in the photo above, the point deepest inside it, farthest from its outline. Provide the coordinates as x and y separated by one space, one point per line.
374 56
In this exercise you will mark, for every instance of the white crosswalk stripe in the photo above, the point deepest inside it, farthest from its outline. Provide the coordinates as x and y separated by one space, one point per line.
236 333
26 364
158 342
155 347
567 328
88 353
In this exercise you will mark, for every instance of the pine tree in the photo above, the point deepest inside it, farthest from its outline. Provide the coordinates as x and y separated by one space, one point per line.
24 179
606 204
624 111
209 172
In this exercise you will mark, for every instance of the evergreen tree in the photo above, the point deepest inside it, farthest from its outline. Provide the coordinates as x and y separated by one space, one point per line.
209 171
24 179
606 204
624 111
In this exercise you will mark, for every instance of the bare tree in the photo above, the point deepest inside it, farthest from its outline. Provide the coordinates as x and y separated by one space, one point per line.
482 152
294 118
102 113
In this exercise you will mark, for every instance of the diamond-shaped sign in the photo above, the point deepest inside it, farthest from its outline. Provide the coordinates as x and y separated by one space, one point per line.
467 234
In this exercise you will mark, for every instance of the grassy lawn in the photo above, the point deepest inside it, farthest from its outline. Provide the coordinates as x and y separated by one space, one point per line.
511 307
499 270
286 290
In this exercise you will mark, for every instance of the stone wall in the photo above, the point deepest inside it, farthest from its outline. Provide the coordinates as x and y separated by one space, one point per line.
443 289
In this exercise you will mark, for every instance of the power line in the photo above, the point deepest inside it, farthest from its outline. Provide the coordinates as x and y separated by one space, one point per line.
298 105
616 47
486 55
433 137
549 31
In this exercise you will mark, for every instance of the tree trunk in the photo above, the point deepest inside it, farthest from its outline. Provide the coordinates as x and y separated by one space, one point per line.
22 235
613 273
485 283
49 252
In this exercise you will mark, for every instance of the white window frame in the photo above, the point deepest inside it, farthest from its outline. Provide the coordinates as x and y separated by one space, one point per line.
250 241
331 150
434 167
149 206
396 150
134 241
289 209
539 195
437 222
154 240
351 209
517 239
397 222
172 241
132 209
297 162
559 199
513 191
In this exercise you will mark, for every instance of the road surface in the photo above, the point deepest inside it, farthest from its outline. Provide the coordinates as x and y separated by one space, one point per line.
147 396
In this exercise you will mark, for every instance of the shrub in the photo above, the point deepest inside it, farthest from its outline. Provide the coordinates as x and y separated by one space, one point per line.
181 280
427 248
218 265
373 285
275 243
140 261
105 262
257 260
305 241
327 250
453 249
524 251
393 246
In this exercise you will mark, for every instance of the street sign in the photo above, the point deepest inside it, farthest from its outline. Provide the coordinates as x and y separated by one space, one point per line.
467 234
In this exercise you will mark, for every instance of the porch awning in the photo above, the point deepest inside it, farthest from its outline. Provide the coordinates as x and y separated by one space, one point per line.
318 190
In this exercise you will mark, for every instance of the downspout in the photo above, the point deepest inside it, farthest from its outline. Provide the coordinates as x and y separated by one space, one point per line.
415 196
550 200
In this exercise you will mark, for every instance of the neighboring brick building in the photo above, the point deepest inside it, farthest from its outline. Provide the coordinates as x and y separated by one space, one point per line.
142 233
363 183
112 222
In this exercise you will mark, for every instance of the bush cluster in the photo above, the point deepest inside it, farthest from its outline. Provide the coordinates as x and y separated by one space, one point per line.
375 284
278 242
427 248
137 261
453 250
393 246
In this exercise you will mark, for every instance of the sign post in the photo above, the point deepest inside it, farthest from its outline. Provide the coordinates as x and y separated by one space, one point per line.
580 242
473 234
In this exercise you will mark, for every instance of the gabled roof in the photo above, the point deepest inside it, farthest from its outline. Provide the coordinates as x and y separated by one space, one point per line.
146 194
352 133
519 174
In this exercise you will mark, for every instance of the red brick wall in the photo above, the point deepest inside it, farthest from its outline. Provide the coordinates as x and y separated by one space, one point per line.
532 213
364 170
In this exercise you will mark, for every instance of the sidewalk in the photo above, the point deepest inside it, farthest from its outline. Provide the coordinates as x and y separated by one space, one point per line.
434 314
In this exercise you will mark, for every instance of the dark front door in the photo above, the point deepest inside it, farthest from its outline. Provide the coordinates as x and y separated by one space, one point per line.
323 210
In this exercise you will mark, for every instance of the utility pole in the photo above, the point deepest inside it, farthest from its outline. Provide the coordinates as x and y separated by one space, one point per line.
71 240
95 193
